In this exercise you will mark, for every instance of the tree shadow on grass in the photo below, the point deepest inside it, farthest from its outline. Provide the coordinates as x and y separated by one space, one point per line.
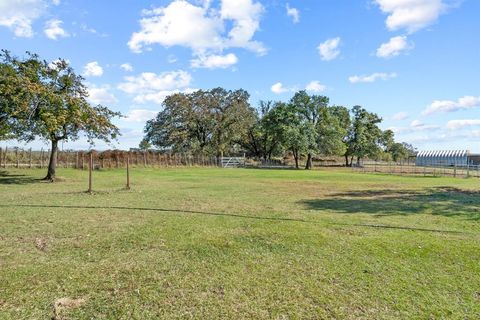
8 178
440 201
226 214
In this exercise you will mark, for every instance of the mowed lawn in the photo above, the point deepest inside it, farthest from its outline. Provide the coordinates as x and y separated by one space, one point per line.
239 244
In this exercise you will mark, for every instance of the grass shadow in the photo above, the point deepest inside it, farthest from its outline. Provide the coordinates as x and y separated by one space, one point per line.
155 209
8 178
440 201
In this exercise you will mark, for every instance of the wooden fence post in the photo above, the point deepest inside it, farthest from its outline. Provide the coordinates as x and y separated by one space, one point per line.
128 172
16 157
90 173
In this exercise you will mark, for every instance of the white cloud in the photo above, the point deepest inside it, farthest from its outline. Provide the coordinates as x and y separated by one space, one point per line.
18 15
411 15
56 2
278 88
394 47
293 13
415 126
214 61
201 28
400 116
92 69
126 67
151 87
329 49
159 96
315 86
100 95
372 78
148 82
53 30
245 15
140 115
460 124
464 103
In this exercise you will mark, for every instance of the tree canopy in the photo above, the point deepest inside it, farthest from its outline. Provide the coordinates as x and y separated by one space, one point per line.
46 100
203 122
219 121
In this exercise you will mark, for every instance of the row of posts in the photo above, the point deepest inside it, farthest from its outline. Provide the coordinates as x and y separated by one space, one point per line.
4 158
112 159
409 168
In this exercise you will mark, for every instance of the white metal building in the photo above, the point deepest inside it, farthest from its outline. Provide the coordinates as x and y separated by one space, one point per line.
449 158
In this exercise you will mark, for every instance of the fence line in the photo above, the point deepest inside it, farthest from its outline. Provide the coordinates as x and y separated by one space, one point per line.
410 169
27 158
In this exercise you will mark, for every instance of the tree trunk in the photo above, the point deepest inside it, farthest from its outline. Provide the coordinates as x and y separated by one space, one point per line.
295 155
309 164
53 162
346 161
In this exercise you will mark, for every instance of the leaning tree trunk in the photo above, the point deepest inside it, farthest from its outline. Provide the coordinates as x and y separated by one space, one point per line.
295 155
346 161
53 162
309 164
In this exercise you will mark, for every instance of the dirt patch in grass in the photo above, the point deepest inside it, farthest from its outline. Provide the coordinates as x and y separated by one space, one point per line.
41 244
62 304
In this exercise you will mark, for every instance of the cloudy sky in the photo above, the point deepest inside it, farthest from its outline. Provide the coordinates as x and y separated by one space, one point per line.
414 62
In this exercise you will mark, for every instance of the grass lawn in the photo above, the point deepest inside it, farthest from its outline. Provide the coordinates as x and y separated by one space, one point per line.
239 244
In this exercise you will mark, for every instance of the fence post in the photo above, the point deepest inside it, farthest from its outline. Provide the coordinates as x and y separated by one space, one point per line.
90 172
16 157
128 172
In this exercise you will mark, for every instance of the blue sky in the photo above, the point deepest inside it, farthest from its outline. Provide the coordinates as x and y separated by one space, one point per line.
414 62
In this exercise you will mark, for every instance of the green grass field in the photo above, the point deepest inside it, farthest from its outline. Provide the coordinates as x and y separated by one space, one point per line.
239 244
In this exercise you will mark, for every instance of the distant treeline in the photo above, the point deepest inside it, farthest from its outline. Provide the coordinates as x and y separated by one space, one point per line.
218 122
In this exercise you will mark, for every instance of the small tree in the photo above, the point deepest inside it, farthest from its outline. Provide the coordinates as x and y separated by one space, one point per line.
144 145
52 105
364 138
401 151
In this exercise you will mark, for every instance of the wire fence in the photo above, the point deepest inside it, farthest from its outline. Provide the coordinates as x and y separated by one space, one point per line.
28 158
411 169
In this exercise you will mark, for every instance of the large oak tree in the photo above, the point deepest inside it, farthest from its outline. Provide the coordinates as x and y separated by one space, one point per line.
202 122
46 100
